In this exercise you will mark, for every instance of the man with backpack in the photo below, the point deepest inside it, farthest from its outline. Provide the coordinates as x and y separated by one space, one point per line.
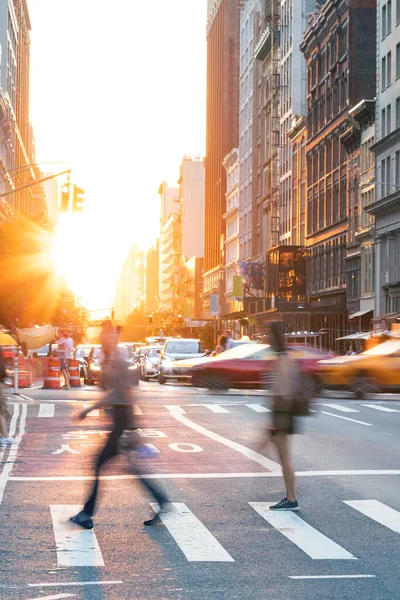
4 414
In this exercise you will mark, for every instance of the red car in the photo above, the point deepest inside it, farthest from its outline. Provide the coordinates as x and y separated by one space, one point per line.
247 366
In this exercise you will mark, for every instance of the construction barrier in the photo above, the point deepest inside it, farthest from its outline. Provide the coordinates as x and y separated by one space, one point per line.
52 378
74 373
25 376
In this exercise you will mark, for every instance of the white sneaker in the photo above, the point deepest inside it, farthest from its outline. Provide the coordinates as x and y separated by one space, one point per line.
8 440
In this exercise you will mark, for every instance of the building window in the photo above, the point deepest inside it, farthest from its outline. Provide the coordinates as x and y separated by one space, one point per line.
388 119
383 73
389 16
397 111
388 176
383 21
389 69
342 209
383 177
397 61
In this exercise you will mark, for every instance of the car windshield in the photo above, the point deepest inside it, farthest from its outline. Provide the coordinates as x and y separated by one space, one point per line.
242 351
96 353
152 353
384 349
143 350
125 353
184 347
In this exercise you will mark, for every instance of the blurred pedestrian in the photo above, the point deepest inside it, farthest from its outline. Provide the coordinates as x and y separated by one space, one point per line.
222 343
283 421
121 398
108 339
4 414
65 349
229 341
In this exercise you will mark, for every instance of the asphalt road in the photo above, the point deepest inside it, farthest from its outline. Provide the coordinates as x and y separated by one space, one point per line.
219 541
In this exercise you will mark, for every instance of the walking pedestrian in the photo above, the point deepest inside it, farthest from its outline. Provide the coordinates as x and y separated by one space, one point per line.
65 348
4 414
283 421
121 398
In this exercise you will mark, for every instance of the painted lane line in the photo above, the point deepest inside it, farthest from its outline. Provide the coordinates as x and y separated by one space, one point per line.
73 583
258 458
216 408
75 547
258 408
350 473
324 412
344 409
192 537
56 597
308 539
381 408
12 456
46 410
92 413
379 512
330 576
137 411
175 409
11 431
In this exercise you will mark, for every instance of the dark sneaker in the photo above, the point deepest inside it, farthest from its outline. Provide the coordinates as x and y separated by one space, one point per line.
83 520
285 505
154 521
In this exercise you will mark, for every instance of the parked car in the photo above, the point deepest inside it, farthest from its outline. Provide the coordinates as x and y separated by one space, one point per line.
140 354
248 367
177 349
374 370
149 365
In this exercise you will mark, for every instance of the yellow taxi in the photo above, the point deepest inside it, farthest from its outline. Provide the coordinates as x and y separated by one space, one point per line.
375 370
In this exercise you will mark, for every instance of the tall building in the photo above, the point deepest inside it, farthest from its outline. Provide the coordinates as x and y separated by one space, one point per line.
222 131
191 194
293 103
130 286
246 108
385 209
169 225
339 49
152 278
192 285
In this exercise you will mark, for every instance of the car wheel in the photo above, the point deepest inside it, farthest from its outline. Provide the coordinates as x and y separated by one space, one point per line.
363 385
162 379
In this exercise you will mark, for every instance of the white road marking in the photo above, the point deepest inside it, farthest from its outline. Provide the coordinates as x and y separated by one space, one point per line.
215 408
379 512
46 410
92 413
324 412
137 411
262 475
258 458
186 447
258 408
192 537
73 583
5 476
76 547
66 448
175 409
381 408
330 576
308 539
344 409
56 597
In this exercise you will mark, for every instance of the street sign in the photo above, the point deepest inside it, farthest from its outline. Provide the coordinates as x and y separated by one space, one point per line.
214 305
237 287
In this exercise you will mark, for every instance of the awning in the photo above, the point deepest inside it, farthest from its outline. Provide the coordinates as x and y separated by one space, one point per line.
356 336
360 313
36 337
7 340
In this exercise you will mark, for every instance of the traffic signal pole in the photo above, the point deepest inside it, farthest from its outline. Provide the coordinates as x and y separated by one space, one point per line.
28 185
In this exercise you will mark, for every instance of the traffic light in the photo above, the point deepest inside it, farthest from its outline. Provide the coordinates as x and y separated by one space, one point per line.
180 318
78 199
64 205
150 318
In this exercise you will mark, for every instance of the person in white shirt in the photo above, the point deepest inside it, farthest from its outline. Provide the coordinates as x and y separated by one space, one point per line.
65 348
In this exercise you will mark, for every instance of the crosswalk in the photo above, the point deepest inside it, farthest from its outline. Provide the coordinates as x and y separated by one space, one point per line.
76 547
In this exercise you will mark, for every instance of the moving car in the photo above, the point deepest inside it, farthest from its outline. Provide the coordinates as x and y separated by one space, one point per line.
95 363
177 349
248 367
374 370
149 364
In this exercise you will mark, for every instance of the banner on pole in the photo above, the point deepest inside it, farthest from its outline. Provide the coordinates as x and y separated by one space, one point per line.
237 287
214 305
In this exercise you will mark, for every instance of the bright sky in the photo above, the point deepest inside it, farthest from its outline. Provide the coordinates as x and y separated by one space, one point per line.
117 89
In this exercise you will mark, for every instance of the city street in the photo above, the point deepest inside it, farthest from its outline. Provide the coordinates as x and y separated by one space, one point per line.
218 541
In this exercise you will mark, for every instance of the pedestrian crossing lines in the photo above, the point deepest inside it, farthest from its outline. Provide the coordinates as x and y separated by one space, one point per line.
197 542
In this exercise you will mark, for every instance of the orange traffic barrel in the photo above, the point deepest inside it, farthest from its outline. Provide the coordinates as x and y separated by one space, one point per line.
24 372
74 373
52 379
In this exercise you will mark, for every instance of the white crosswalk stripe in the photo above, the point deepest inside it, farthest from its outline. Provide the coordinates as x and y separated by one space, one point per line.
258 408
174 408
46 410
381 408
340 407
192 537
76 547
308 539
216 408
379 512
